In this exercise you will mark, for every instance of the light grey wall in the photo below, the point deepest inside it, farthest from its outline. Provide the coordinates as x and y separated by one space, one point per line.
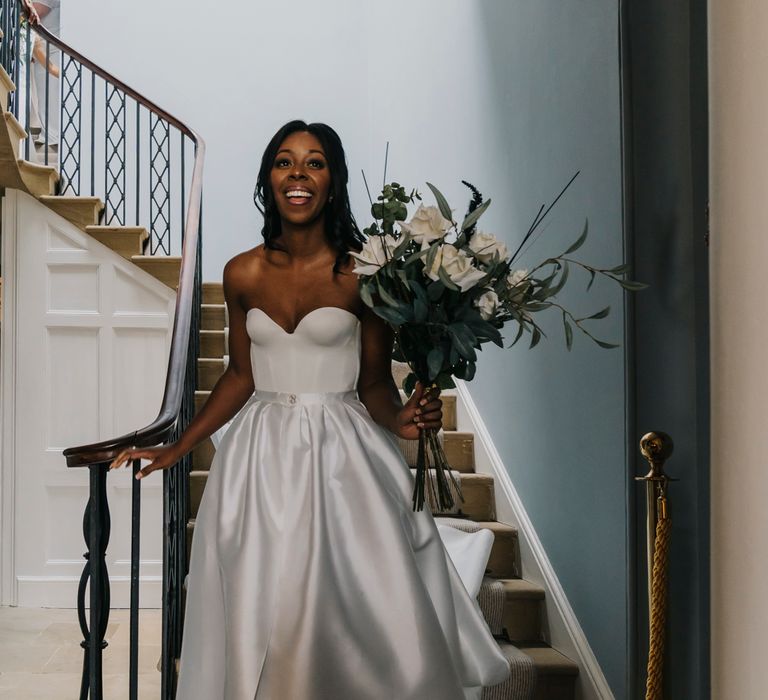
513 96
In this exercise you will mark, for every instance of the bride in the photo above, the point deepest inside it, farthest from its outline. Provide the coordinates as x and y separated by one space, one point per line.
310 576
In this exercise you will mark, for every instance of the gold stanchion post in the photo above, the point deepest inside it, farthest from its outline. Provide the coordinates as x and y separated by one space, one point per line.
656 447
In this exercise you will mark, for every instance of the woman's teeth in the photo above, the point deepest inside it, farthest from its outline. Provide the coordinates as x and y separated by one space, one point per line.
303 195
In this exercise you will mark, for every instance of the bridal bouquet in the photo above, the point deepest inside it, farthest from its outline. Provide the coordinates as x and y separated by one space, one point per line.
446 289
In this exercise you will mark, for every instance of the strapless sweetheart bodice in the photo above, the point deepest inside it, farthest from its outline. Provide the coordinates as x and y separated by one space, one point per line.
322 354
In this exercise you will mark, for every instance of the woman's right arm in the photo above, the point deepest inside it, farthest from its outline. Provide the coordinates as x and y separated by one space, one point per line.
227 397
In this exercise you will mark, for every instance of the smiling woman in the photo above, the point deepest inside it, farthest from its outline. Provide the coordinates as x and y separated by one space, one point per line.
310 576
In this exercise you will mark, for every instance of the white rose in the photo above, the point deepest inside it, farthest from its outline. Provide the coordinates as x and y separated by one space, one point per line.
457 265
486 245
376 251
426 225
515 277
487 304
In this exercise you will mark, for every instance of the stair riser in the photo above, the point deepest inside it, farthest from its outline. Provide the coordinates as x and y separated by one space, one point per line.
555 687
479 501
126 244
81 211
165 271
505 556
202 456
522 620
212 344
208 373
213 293
212 318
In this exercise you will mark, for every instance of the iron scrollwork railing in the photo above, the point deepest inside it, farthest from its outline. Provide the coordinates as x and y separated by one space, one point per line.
134 144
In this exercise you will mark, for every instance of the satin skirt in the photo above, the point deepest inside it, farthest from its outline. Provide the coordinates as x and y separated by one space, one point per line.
310 576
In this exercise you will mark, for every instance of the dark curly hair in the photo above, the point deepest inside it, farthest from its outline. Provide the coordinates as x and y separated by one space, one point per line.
341 229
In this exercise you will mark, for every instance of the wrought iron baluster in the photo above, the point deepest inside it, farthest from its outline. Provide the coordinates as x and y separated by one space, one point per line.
138 162
114 155
70 124
96 526
46 122
93 133
160 185
135 563
27 90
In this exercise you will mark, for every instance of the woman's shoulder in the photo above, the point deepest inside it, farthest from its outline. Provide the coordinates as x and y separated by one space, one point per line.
243 268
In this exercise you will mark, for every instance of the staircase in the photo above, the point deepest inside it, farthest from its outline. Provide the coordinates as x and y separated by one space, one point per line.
512 606
85 212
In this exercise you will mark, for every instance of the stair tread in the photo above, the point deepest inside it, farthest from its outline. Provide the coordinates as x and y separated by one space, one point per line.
15 124
162 259
67 197
521 589
546 659
7 80
98 228
38 168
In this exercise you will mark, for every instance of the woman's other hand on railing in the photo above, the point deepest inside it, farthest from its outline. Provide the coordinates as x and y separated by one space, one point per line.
34 18
162 458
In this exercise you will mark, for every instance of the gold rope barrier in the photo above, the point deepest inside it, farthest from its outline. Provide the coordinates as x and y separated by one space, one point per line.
656 448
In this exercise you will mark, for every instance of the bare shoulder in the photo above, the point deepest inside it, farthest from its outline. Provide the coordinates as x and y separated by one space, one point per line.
240 272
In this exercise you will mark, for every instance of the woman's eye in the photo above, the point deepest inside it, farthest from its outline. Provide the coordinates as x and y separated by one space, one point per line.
317 163
281 161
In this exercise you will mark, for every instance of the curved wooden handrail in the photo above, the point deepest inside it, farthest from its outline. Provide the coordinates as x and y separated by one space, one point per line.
160 429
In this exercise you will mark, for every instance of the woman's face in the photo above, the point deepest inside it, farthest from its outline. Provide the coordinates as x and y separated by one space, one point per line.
300 178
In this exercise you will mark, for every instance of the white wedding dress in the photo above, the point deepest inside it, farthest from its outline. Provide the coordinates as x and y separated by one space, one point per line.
311 577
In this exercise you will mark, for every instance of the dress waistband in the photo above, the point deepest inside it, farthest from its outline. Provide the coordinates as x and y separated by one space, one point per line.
290 399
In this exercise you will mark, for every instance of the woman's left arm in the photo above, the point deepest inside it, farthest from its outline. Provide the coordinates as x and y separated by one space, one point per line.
378 391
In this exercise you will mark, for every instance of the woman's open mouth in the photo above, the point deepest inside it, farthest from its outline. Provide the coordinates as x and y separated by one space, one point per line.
298 196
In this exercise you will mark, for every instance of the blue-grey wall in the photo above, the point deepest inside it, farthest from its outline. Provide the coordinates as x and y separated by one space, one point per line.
557 418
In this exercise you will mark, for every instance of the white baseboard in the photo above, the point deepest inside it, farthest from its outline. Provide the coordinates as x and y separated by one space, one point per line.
61 592
562 629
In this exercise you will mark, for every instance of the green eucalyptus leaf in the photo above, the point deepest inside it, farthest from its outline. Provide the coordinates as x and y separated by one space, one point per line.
365 294
603 344
535 337
473 216
463 339
580 240
568 333
420 311
431 254
443 275
435 361
591 279
392 316
600 314
415 256
632 286
442 202
519 334
388 298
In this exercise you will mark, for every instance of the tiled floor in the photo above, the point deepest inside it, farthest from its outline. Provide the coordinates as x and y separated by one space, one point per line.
41 657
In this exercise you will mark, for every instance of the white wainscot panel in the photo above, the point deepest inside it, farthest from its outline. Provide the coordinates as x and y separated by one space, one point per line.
139 364
130 297
64 546
72 367
58 239
73 287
